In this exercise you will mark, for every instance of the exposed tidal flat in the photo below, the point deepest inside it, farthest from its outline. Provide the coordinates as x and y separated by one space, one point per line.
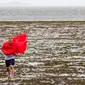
55 52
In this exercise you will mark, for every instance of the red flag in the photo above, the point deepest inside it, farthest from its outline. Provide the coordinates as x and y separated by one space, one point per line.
18 45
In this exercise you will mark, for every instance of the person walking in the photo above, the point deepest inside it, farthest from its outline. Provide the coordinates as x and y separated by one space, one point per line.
10 58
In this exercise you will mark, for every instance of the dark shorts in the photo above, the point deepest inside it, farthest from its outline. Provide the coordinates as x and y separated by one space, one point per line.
10 62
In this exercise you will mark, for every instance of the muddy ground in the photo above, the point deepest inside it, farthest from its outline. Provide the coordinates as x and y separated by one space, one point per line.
55 53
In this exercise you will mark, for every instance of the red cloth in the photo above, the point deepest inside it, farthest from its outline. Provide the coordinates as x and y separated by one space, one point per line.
8 48
20 42
18 45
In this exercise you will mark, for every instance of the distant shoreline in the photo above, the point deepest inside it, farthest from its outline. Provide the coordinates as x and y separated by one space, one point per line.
45 22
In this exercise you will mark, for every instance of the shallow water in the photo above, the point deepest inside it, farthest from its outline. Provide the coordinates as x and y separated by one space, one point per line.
55 54
42 13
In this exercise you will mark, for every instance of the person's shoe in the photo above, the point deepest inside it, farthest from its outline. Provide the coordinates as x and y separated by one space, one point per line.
12 79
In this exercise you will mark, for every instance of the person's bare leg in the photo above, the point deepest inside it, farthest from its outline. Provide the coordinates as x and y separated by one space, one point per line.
11 71
8 70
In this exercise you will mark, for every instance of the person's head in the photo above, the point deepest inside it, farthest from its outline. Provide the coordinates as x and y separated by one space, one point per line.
10 40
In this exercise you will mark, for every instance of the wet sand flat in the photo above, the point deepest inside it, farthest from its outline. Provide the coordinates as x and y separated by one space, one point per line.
55 53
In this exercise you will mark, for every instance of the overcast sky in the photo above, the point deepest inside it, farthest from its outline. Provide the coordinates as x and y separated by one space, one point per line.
42 2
